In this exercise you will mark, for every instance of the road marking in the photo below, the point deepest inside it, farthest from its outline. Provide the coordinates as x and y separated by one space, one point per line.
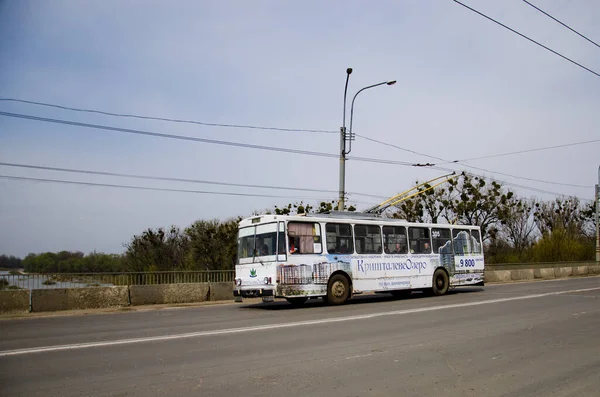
77 346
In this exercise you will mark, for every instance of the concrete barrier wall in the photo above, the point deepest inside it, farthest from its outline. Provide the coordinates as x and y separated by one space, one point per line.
545 271
168 293
221 291
49 300
14 301
98 297
44 300
497 276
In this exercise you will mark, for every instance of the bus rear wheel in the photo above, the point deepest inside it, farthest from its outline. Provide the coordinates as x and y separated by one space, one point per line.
440 282
338 290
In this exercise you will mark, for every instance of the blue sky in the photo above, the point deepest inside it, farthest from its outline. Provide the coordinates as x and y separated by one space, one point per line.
466 88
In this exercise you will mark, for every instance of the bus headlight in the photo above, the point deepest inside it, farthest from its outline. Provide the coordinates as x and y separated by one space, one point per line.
266 280
238 281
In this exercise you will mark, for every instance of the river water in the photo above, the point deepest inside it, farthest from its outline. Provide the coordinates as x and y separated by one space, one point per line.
36 281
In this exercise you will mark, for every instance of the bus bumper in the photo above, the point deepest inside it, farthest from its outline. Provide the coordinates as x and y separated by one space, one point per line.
240 293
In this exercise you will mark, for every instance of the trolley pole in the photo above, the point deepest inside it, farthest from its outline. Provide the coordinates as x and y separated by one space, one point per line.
598 218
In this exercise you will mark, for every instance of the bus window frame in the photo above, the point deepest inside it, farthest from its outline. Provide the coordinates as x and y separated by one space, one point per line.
419 240
366 226
319 235
386 237
338 236
433 250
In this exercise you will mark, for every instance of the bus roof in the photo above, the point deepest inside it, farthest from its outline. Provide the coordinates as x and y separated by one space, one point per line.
343 217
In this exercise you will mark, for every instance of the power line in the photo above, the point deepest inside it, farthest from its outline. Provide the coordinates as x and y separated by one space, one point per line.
117 174
196 122
529 179
194 139
437 166
20 178
534 189
164 119
491 156
525 37
278 149
267 128
381 161
525 151
566 26
161 135
398 147
505 182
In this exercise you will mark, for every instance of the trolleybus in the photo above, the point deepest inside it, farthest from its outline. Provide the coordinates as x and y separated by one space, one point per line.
336 255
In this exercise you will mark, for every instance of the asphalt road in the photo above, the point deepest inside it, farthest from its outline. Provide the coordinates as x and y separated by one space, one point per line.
525 339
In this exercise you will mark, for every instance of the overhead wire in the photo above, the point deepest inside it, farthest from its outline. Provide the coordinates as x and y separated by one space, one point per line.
528 179
75 109
194 139
527 38
381 161
563 24
171 179
295 130
295 151
488 178
525 151
21 178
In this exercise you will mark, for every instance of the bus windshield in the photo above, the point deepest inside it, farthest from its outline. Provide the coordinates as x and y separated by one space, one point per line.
259 240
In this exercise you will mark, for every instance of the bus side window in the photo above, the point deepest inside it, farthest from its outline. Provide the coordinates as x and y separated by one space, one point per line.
304 238
395 241
339 238
442 241
476 242
461 241
419 240
368 239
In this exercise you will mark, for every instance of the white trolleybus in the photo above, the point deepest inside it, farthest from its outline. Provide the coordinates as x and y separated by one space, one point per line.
338 254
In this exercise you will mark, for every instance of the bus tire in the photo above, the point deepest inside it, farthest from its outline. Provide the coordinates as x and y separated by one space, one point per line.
297 301
338 290
441 282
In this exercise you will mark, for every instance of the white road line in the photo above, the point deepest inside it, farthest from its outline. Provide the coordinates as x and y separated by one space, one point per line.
218 332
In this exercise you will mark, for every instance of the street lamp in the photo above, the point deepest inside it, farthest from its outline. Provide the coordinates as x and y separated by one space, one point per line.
343 146
349 137
352 107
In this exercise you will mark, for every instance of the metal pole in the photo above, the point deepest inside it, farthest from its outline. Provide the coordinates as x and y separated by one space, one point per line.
598 218
343 148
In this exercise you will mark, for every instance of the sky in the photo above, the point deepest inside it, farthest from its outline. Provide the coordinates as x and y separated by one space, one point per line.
466 88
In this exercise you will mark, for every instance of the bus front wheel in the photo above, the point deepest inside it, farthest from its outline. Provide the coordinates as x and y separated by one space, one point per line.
440 282
338 290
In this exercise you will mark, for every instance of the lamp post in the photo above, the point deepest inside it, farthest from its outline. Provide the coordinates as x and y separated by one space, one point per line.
343 147
349 137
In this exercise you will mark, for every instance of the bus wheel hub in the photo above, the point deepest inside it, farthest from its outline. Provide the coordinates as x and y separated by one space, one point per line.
338 289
